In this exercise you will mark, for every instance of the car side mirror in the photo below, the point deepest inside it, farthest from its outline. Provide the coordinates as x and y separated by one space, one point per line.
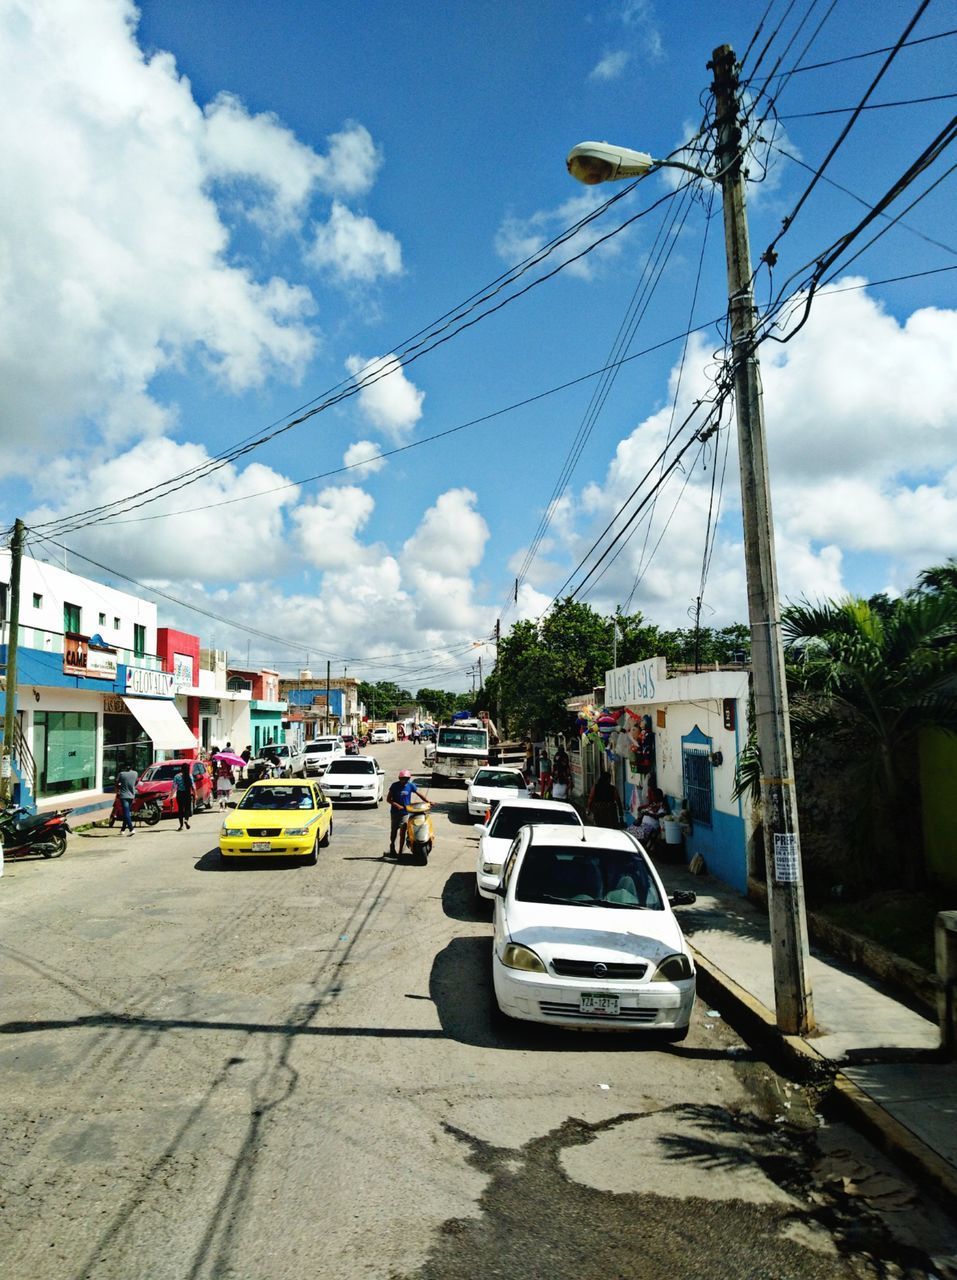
481 828
683 898
499 890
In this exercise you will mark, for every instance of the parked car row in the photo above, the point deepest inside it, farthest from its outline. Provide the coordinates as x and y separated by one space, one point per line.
564 951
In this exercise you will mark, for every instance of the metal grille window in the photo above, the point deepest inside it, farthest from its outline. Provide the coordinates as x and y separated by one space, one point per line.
697 777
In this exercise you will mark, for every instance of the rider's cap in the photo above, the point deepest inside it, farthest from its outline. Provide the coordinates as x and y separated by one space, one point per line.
404 773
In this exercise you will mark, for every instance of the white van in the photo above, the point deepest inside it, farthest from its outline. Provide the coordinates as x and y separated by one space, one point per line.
318 753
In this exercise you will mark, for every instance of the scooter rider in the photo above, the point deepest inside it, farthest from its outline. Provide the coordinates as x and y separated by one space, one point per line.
399 796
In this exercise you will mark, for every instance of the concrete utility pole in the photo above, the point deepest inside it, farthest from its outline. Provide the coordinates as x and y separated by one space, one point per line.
329 697
782 847
498 680
10 683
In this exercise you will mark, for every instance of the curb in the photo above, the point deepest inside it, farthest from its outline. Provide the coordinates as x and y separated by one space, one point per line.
756 1024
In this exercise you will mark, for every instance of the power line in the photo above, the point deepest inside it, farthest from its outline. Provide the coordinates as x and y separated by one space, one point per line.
871 53
873 106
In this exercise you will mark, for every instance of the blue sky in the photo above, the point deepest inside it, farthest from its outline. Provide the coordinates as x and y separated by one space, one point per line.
226 210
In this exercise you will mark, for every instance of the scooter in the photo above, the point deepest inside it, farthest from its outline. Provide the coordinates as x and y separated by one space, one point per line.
144 809
24 832
419 835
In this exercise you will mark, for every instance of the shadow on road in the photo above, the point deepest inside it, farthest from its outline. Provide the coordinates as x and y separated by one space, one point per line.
459 901
211 861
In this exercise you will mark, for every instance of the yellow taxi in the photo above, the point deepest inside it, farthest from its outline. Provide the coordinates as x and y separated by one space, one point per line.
284 818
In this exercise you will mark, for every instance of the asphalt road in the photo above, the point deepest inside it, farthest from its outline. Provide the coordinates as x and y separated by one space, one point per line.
271 1071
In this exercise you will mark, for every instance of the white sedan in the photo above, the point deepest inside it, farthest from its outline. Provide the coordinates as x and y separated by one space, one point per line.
493 783
356 779
504 825
585 935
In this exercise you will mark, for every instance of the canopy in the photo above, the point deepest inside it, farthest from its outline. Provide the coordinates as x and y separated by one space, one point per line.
162 722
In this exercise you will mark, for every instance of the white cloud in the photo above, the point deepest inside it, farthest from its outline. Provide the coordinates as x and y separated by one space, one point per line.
451 537
861 417
364 457
216 543
390 401
113 255
353 249
639 15
327 528
518 238
352 163
611 65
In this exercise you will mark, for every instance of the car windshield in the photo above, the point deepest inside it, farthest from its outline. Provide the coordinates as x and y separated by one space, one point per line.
350 766
587 877
509 819
281 751
499 778
313 748
476 738
277 797
161 772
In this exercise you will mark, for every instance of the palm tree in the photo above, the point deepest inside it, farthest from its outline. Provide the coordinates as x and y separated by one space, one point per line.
939 578
867 677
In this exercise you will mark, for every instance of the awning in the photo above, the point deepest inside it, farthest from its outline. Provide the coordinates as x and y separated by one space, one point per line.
162 722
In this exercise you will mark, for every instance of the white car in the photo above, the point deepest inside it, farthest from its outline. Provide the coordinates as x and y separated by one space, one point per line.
496 837
493 783
356 779
291 760
318 753
585 935
381 735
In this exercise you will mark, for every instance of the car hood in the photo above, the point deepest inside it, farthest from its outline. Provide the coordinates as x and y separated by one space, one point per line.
349 779
271 817
481 792
594 933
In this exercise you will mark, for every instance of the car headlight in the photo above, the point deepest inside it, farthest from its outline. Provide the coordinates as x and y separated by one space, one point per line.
232 831
297 831
515 956
491 868
672 969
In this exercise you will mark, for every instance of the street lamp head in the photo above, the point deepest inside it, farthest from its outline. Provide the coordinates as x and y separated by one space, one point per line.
594 162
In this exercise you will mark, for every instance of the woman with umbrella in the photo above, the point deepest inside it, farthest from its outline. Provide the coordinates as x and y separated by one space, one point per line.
225 762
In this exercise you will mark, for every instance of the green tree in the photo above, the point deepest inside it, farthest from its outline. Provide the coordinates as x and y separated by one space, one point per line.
866 677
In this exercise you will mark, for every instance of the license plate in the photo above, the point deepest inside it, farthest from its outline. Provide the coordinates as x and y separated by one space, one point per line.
261 846
599 1004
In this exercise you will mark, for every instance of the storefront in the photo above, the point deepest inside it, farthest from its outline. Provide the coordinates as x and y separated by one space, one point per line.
124 739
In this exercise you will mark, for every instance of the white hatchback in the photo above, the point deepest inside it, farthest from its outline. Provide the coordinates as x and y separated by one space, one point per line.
504 825
356 779
493 783
318 753
585 935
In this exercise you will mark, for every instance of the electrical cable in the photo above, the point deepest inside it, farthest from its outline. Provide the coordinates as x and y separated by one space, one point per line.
872 106
871 53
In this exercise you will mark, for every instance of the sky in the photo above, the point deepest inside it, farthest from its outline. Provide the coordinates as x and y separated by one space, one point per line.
222 215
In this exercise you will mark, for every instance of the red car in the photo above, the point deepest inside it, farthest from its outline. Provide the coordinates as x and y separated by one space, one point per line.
156 782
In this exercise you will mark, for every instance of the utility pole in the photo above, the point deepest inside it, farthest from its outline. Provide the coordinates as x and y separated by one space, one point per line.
328 695
481 681
782 847
498 680
10 682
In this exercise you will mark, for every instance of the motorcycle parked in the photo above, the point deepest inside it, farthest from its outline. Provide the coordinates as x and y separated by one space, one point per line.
24 832
145 809
419 835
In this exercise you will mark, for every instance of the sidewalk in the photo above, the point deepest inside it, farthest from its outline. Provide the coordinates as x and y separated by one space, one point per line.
887 1076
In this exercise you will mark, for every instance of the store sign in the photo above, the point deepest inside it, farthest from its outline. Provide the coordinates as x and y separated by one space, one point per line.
114 706
632 685
182 671
81 658
149 684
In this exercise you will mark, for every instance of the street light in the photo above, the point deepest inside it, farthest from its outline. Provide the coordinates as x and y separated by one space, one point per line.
594 162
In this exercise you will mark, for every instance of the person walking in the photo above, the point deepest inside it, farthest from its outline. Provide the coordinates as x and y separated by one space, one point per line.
126 790
399 797
604 803
224 785
183 789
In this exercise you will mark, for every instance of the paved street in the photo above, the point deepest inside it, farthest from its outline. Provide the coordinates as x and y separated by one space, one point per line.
268 1071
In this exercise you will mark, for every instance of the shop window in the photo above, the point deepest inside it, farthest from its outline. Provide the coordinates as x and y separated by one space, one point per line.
696 773
37 600
139 640
64 744
71 618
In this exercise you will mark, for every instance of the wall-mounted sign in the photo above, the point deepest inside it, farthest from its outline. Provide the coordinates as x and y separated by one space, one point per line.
632 685
149 684
182 671
83 658
114 706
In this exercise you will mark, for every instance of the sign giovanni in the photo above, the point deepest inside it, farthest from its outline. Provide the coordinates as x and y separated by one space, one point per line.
149 684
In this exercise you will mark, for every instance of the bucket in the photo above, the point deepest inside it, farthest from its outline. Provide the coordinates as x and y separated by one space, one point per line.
672 831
